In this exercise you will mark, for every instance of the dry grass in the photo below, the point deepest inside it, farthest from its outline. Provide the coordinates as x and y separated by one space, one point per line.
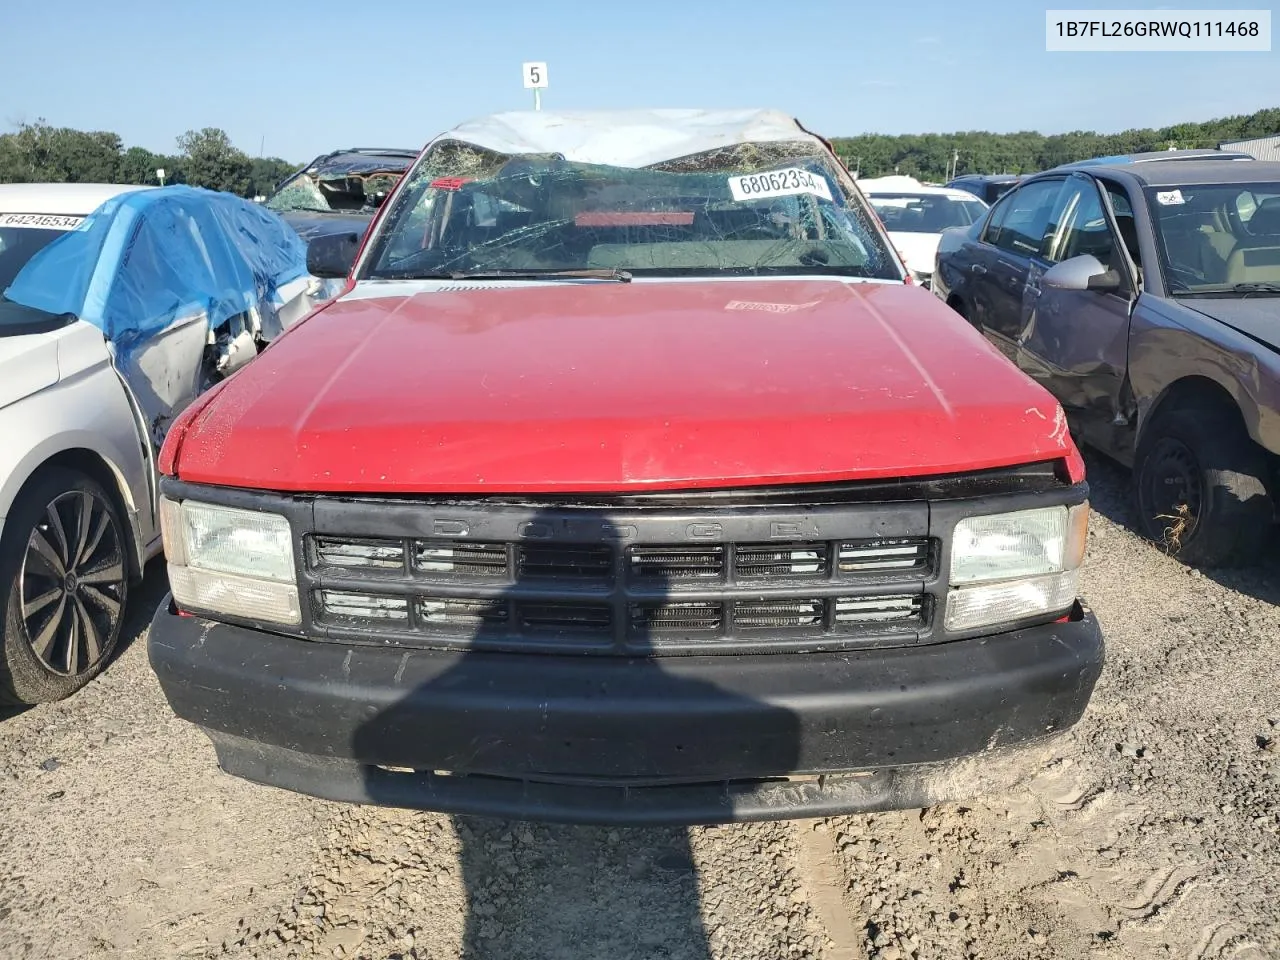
1179 521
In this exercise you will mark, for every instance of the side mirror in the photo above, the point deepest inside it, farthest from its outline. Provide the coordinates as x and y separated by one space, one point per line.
1084 272
332 255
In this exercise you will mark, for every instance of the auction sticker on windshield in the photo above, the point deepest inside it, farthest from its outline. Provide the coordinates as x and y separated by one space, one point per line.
779 183
39 221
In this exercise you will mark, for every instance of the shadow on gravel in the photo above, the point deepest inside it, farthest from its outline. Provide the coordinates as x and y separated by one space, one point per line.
1110 486
625 893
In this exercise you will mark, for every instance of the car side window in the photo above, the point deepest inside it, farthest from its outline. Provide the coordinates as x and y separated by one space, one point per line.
1022 230
1122 207
1081 226
992 228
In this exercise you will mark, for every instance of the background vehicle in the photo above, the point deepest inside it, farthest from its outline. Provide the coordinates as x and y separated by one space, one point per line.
1158 156
915 216
1146 298
339 191
987 188
631 484
120 319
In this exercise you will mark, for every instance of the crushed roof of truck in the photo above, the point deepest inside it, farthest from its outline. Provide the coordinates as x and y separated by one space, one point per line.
626 138
360 160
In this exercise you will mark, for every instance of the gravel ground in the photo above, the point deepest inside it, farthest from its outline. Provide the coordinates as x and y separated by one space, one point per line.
1149 830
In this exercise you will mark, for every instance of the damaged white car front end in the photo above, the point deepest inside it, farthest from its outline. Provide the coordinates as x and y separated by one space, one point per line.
106 335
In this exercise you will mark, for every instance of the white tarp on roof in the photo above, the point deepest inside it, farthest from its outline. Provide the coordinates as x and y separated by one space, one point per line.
626 138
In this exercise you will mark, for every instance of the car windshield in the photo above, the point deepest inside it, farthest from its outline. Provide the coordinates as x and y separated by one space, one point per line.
335 187
925 212
1218 239
748 209
18 244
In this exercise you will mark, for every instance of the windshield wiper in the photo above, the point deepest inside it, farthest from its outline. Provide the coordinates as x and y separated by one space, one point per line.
1262 286
621 276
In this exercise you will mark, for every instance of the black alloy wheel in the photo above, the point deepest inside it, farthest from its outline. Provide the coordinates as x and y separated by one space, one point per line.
64 583
73 583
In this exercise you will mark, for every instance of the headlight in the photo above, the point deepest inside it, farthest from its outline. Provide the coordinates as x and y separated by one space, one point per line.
230 561
1011 566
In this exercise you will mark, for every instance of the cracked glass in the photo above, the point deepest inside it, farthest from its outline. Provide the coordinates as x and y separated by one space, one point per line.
755 209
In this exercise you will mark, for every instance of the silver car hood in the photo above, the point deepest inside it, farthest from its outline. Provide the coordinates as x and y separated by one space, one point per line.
1258 317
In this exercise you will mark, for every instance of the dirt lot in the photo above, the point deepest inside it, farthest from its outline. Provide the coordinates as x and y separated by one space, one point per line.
1149 831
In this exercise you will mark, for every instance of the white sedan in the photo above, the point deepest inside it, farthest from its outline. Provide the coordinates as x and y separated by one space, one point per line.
915 216
120 305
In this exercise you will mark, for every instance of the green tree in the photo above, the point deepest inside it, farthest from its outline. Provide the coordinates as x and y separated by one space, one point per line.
139 165
208 159
266 172
39 152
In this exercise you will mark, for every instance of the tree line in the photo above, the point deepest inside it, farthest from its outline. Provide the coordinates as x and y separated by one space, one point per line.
930 156
38 152
41 153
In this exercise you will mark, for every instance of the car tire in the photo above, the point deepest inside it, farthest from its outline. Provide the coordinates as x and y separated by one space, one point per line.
64 581
1200 488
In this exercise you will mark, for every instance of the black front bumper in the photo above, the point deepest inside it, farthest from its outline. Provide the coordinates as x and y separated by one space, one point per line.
617 740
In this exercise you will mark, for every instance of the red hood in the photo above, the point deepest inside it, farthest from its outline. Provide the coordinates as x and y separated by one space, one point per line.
601 386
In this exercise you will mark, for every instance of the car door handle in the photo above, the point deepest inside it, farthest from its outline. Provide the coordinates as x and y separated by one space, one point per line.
977 269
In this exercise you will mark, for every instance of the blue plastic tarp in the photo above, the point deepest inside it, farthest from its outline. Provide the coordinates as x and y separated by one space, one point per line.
149 257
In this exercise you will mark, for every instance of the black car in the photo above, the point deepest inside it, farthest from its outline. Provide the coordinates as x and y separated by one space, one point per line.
986 188
339 191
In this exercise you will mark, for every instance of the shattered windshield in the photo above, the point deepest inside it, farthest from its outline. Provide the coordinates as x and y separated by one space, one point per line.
331 188
1219 239
748 209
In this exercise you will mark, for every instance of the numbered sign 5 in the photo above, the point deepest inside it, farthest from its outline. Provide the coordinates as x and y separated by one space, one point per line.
535 76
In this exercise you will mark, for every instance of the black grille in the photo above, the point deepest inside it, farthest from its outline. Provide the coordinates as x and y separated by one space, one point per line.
586 585
565 562
564 617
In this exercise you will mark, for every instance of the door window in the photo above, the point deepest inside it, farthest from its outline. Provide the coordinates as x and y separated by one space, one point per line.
1023 229
996 218
1081 225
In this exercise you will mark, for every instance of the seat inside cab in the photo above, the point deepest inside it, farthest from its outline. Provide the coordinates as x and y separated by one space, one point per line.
1256 257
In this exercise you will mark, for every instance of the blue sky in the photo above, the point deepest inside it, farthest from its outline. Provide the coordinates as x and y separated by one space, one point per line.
302 77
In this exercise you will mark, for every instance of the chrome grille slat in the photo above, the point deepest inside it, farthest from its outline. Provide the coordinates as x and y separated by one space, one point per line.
882 556
359 554
784 614
459 558
675 562
781 560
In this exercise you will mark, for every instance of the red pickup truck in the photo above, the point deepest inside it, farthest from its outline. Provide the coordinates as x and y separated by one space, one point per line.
628 482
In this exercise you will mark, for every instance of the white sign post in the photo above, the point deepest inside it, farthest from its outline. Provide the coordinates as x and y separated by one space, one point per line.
535 79
160 175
